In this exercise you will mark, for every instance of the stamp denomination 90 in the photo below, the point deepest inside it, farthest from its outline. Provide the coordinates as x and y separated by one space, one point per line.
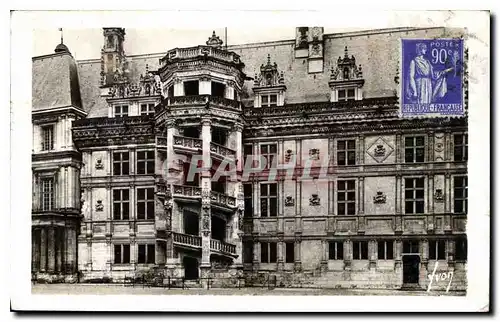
432 77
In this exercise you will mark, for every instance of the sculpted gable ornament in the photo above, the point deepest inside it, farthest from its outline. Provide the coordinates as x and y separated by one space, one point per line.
346 79
214 41
269 75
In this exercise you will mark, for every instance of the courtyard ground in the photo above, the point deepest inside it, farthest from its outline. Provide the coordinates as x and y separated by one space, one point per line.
117 289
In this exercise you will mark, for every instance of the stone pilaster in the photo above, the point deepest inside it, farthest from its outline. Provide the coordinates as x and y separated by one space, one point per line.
206 134
51 250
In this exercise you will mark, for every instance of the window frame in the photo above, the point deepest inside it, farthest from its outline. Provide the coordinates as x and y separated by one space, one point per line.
465 194
464 147
335 248
50 138
415 148
346 202
414 200
268 197
120 203
346 97
49 194
289 252
121 113
268 155
121 162
148 249
347 151
360 247
386 246
147 162
149 203
121 254
270 247
150 108
435 245
269 102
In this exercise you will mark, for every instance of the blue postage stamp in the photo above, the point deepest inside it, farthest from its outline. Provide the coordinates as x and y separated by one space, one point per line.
432 77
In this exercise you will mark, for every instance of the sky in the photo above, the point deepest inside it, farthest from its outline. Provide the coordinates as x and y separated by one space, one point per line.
87 43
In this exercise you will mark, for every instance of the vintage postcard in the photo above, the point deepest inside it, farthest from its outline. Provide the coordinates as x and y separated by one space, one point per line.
297 164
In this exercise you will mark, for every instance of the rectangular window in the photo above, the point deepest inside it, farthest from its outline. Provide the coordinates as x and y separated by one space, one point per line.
148 109
414 149
268 199
145 204
121 204
120 163
411 247
360 250
47 138
218 89
335 250
346 197
268 252
351 94
461 249
170 91
247 252
145 162
414 195
385 250
268 152
248 196
122 254
47 193
191 88
146 254
346 152
290 252
346 95
460 147
437 249
121 110
269 100
460 194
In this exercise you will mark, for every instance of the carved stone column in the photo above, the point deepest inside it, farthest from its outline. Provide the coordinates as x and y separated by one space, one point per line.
281 252
206 133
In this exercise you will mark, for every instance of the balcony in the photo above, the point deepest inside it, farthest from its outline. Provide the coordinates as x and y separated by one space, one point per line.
222 201
187 193
194 242
190 53
220 152
203 101
189 241
187 145
223 247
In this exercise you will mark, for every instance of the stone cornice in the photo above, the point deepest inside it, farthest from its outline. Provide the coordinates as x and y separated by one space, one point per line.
104 131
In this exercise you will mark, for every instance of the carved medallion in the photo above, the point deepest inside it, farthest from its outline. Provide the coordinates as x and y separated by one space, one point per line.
380 150
379 198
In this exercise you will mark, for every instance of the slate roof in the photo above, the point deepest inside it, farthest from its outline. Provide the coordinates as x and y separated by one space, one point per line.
377 51
55 81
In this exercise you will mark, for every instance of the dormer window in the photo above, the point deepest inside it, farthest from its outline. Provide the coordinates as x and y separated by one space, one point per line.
346 80
148 109
121 110
269 86
269 100
346 94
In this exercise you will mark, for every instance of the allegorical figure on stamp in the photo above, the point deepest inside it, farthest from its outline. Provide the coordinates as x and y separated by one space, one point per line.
426 85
